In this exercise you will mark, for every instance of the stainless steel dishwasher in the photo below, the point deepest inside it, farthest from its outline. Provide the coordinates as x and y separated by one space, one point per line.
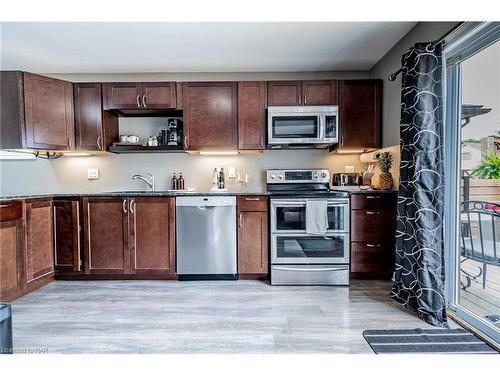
206 237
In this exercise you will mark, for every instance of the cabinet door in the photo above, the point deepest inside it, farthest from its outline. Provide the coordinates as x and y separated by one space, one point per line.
252 103
252 243
376 226
284 93
360 115
319 92
122 95
48 113
210 115
39 257
11 250
158 95
105 236
88 116
371 259
152 235
67 236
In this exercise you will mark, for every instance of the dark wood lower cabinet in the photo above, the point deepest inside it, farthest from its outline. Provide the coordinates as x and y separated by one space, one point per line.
373 225
253 237
152 235
39 240
105 229
67 230
11 250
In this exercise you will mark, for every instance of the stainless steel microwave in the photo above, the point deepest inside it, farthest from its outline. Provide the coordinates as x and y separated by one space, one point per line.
302 126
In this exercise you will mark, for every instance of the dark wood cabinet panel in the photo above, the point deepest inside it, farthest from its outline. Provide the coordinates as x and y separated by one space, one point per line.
210 115
39 255
373 259
95 129
253 236
319 92
49 118
371 225
283 93
11 250
360 111
252 243
105 236
12 129
373 201
67 248
252 102
122 95
158 95
152 235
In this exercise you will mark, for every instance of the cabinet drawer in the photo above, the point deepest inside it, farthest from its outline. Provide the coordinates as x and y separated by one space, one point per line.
370 257
373 225
252 203
11 210
371 201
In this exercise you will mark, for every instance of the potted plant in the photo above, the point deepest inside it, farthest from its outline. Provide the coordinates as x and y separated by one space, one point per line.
489 167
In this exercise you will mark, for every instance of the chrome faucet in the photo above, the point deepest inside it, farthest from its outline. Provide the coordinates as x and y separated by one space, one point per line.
150 181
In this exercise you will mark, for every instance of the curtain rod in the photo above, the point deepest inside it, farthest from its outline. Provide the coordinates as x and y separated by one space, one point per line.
393 76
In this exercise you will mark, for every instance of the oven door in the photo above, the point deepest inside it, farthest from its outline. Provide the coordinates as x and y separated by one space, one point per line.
290 128
310 249
289 216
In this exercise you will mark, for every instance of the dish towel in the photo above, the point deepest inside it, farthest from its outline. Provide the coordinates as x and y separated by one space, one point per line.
316 216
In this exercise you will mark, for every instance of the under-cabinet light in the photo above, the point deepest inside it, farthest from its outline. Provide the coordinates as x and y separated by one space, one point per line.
76 154
219 153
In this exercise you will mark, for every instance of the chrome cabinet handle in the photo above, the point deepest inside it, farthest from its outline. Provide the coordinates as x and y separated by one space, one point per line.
372 212
99 143
124 205
5 205
241 221
252 199
341 140
373 196
186 141
144 101
137 100
373 245
305 98
298 98
131 206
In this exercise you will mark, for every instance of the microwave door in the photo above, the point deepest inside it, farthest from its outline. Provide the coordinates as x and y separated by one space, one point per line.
294 128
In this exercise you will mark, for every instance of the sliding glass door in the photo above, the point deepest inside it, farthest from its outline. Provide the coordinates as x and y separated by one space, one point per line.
472 145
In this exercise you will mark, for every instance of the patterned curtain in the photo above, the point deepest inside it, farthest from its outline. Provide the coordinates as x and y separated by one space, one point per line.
418 281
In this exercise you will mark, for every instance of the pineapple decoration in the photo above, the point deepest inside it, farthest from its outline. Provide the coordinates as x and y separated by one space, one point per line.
385 163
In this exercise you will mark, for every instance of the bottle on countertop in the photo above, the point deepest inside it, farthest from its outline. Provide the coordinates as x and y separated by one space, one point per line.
180 182
222 182
215 178
174 183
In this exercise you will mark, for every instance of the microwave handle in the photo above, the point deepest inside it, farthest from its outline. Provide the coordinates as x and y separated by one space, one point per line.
322 127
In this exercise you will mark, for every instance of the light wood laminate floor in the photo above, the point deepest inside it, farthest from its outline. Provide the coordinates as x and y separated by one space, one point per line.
204 317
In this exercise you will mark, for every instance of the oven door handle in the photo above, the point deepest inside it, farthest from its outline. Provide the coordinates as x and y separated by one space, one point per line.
310 269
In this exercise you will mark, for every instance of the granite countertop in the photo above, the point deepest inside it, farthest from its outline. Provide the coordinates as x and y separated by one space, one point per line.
173 193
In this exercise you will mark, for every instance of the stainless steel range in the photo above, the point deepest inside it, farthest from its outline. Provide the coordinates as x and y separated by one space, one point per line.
309 228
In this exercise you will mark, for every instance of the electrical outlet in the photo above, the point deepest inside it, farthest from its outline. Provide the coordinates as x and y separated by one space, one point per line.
93 173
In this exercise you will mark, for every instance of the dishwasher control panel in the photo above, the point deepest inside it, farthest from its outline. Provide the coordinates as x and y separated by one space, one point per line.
205 201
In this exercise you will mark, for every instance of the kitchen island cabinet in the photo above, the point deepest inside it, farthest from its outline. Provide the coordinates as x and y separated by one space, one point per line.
253 236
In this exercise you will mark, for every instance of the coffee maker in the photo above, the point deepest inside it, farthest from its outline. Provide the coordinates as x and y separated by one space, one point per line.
173 131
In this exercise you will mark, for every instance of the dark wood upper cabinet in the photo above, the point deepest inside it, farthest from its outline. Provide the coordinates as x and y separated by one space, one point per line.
252 103
144 96
67 256
210 115
319 92
95 129
39 255
360 115
253 230
11 250
152 235
37 112
158 95
105 236
122 95
283 93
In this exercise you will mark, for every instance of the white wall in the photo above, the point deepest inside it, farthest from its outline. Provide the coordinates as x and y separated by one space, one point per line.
422 32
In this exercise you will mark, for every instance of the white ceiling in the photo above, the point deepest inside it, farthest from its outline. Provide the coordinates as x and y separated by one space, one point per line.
196 47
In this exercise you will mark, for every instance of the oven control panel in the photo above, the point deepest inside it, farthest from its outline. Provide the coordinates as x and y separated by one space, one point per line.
293 176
